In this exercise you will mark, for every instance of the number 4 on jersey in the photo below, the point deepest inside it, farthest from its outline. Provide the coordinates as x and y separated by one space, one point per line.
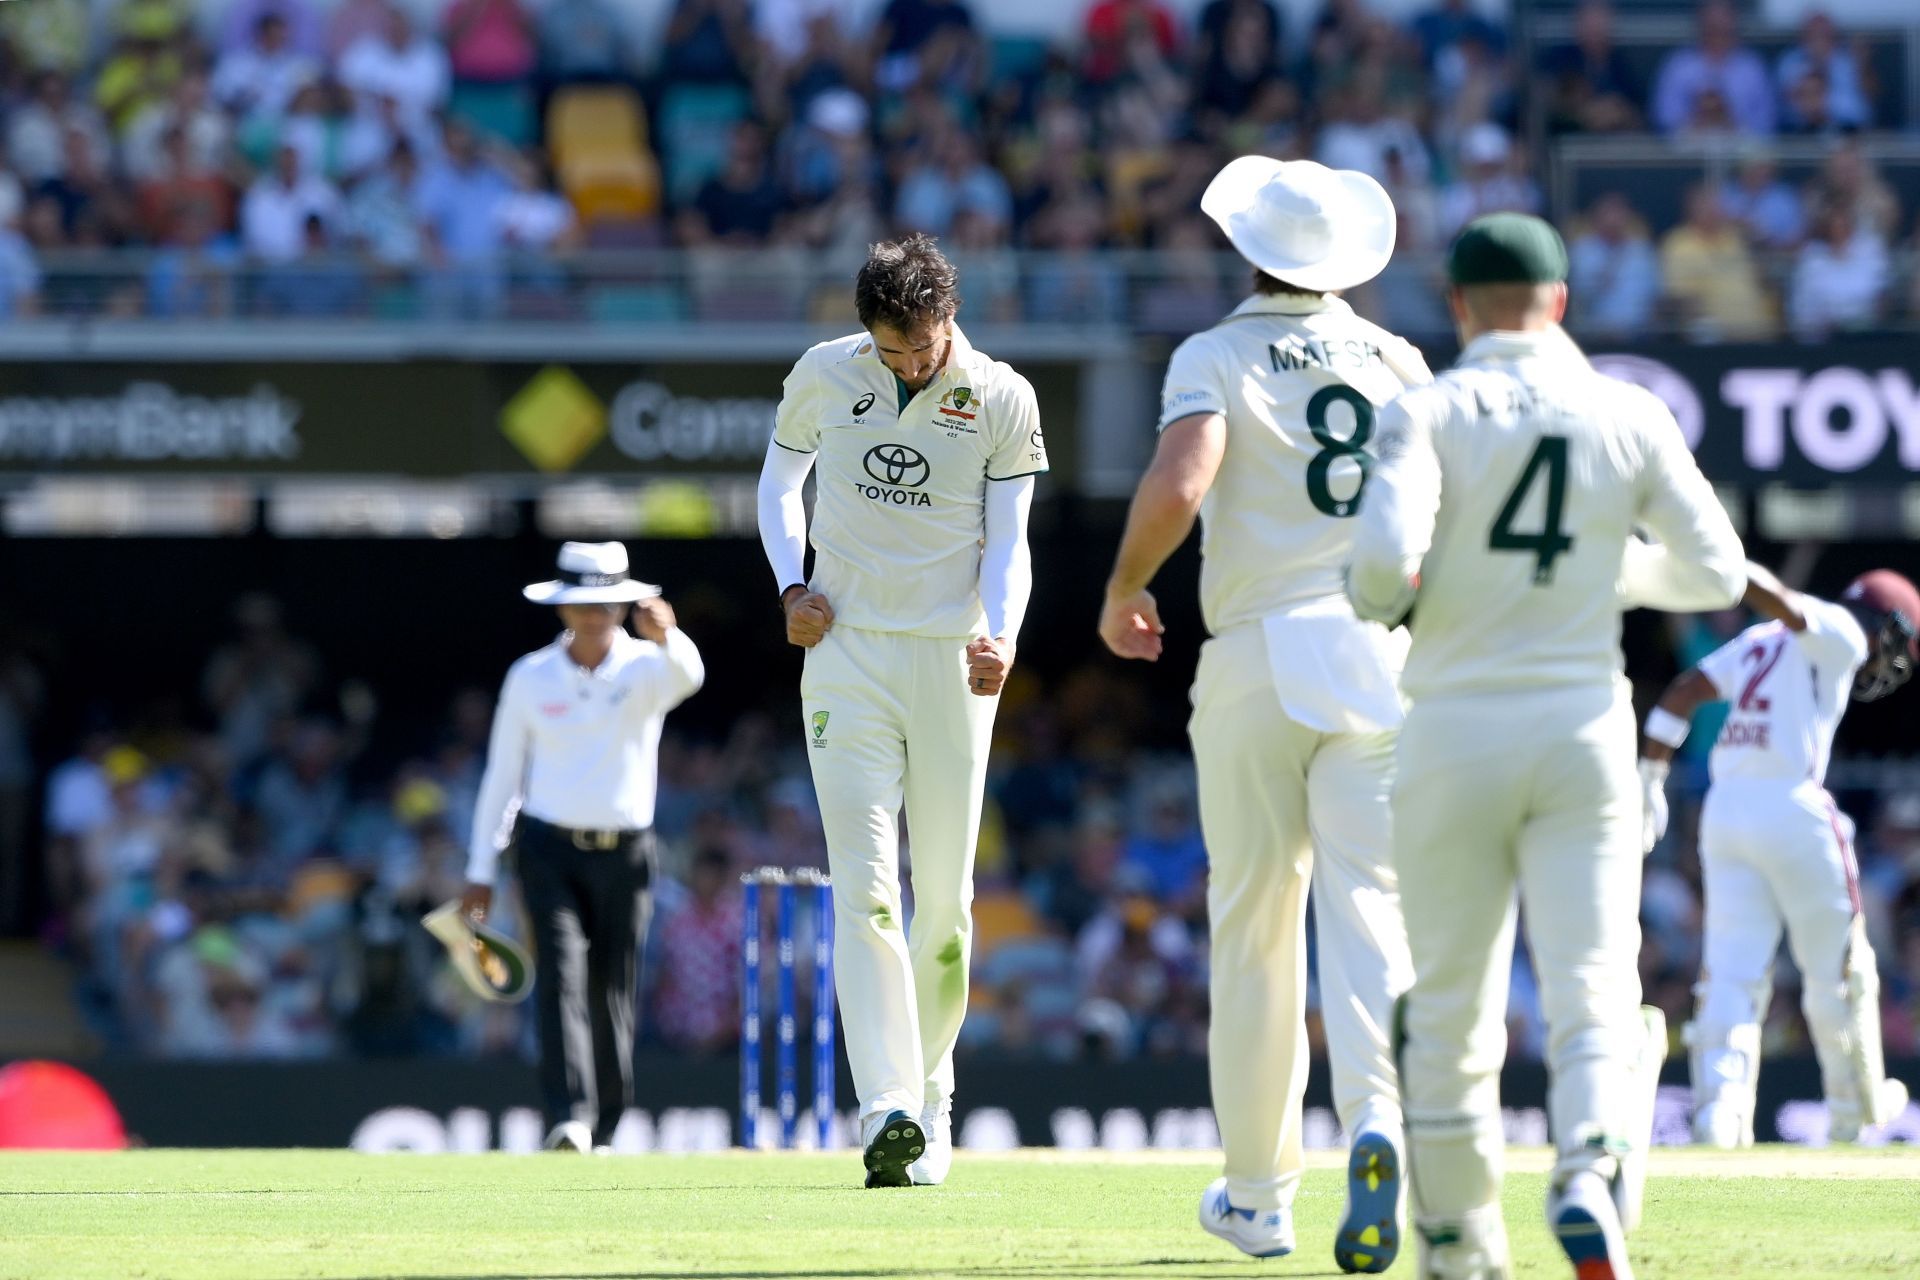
1552 541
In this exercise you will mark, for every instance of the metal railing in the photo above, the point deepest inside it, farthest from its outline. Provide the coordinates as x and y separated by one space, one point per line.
1141 293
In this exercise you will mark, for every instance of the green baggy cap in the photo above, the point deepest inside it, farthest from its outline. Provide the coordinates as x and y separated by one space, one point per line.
1508 248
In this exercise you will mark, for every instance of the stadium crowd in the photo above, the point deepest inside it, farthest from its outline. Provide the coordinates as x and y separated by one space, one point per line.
293 157
252 887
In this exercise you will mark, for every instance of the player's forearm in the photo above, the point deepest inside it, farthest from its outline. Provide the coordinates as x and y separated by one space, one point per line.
1384 576
684 660
1773 599
1668 722
1159 520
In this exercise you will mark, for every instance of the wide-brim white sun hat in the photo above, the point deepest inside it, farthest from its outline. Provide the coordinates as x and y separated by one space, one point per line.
591 573
1313 227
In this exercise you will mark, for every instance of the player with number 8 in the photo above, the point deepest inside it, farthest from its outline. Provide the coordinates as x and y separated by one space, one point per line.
1266 427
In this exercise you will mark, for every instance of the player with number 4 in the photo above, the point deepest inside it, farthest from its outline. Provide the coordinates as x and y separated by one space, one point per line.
1266 424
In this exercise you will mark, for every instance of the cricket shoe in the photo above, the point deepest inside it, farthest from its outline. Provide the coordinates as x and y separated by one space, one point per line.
894 1141
1369 1237
570 1135
1584 1220
930 1170
1472 1249
1263 1233
1845 1121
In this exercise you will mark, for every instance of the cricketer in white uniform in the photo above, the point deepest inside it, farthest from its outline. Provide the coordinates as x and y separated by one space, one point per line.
1500 512
1266 427
1775 850
924 451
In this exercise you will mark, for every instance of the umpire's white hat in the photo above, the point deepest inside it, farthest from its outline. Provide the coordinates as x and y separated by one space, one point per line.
1302 223
591 573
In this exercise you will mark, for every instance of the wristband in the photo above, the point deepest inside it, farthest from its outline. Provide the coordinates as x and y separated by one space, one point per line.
1666 728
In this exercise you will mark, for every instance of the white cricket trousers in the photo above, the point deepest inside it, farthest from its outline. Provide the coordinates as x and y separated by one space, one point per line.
1280 802
1535 790
1773 855
889 720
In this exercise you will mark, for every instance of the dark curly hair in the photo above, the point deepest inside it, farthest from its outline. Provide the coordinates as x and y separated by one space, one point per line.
906 285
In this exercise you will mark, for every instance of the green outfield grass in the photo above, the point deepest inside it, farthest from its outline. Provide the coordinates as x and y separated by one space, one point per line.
261 1215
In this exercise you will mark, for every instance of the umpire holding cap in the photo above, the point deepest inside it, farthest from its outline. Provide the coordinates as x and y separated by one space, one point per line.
570 779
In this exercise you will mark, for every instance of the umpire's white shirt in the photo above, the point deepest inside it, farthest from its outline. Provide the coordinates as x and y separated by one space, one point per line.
579 748
900 505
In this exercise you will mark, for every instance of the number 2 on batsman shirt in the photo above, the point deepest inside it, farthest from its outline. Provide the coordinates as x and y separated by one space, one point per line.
900 497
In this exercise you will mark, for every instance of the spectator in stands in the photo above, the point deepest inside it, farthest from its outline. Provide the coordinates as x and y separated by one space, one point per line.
302 796
1840 280
305 33
1166 855
142 70
143 151
1844 86
1614 285
1236 60
1359 134
1850 180
354 20
708 42
741 205
1115 31
1590 86
1072 283
1717 63
397 62
48 35
181 189
581 41
460 199
19 273
493 54
1492 180
535 219
1766 207
1186 293
319 283
191 272
1451 23
274 214
93 206
950 176
916 40
697 1004
38 130
1711 278
258 81
1809 107
260 676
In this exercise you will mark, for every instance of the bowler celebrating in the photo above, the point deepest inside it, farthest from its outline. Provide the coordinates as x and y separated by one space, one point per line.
1504 500
926 451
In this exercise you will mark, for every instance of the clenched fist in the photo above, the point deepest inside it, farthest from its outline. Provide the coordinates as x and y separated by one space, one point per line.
988 662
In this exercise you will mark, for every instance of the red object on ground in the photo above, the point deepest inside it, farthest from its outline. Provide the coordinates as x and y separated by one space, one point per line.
51 1106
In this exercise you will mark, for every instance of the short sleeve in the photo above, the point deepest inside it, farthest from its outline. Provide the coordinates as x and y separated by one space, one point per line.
1020 447
1834 637
1193 384
796 424
1722 666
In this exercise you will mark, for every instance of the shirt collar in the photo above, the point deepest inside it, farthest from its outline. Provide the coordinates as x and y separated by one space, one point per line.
964 358
1290 304
623 645
1507 346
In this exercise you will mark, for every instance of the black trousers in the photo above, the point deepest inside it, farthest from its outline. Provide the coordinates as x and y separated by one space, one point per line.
589 910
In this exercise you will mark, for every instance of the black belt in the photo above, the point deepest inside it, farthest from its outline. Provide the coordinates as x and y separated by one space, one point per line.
587 839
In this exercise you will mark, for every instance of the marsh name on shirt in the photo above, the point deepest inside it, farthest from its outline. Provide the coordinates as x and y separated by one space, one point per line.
1295 352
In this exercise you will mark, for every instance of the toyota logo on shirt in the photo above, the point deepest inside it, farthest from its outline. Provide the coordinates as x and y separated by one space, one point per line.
897 464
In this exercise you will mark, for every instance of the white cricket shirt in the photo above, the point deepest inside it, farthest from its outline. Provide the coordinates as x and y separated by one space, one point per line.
1299 381
1786 692
900 497
579 748
1509 488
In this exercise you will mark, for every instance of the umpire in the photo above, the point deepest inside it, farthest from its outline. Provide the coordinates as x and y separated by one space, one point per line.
569 783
